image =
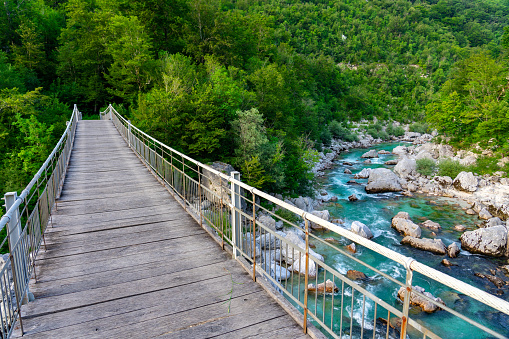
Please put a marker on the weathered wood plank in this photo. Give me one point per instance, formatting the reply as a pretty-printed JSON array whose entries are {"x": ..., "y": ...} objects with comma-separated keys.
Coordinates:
[
  {"x": 135, "y": 310},
  {"x": 62, "y": 269}
]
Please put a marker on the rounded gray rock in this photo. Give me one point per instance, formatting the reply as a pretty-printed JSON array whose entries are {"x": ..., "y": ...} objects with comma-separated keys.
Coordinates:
[
  {"x": 361, "y": 229},
  {"x": 490, "y": 241}
]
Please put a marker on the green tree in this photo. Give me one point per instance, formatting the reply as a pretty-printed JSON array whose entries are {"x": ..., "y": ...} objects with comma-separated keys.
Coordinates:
[
  {"x": 82, "y": 54},
  {"x": 31, "y": 53},
  {"x": 130, "y": 49}
]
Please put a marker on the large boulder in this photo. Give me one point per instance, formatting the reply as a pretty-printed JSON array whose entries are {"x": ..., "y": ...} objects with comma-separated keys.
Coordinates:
[
  {"x": 444, "y": 181},
  {"x": 424, "y": 304},
  {"x": 325, "y": 215},
  {"x": 216, "y": 184},
  {"x": 327, "y": 287},
  {"x": 370, "y": 154},
  {"x": 490, "y": 241},
  {"x": 268, "y": 222},
  {"x": 400, "y": 150},
  {"x": 468, "y": 160},
  {"x": 424, "y": 155},
  {"x": 465, "y": 181},
  {"x": 445, "y": 151},
  {"x": 431, "y": 245},
  {"x": 280, "y": 273},
  {"x": 435, "y": 226},
  {"x": 383, "y": 180},
  {"x": 405, "y": 167},
  {"x": 353, "y": 197},
  {"x": 364, "y": 174},
  {"x": 402, "y": 223},
  {"x": 355, "y": 275},
  {"x": 494, "y": 222},
  {"x": 295, "y": 258},
  {"x": 361, "y": 229},
  {"x": 304, "y": 204},
  {"x": 453, "y": 250},
  {"x": 485, "y": 214},
  {"x": 269, "y": 241}
]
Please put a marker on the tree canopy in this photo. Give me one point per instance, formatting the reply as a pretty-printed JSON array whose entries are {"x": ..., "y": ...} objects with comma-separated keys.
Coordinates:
[{"x": 258, "y": 84}]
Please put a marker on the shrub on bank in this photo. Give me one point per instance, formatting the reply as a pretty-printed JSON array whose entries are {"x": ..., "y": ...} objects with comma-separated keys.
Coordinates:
[
  {"x": 450, "y": 168},
  {"x": 419, "y": 127},
  {"x": 340, "y": 132},
  {"x": 397, "y": 131},
  {"x": 426, "y": 166}
]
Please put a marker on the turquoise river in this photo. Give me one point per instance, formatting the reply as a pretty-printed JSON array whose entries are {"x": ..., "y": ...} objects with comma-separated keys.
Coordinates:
[{"x": 376, "y": 211}]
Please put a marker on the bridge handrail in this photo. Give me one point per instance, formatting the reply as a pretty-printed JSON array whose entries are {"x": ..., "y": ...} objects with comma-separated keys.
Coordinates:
[
  {"x": 147, "y": 149},
  {"x": 24, "y": 242}
]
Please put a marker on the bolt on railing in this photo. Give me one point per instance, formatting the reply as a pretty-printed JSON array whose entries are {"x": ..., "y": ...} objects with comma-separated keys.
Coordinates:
[{"x": 222, "y": 204}]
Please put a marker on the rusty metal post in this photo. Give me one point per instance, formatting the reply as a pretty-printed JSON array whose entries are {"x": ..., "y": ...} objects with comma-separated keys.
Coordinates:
[
  {"x": 406, "y": 300},
  {"x": 306, "y": 279},
  {"x": 235, "y": 207}
]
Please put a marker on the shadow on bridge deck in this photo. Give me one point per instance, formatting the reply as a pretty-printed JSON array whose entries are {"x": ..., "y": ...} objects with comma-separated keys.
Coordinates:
[{"x": 123, "y": 259}]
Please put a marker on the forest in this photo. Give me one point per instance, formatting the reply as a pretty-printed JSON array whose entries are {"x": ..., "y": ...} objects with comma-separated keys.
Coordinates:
[{"x": 262, "y": 85}]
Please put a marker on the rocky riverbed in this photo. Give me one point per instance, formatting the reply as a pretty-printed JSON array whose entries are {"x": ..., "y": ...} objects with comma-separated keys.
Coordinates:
[{"x": 456, "y": 225}]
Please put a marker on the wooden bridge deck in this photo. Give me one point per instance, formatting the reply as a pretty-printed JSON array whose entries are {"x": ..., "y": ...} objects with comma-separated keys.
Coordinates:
[{"x": 124, "y": 260}]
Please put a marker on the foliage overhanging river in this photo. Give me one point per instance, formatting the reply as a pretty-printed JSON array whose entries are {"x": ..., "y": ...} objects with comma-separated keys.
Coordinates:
[{"x": 376, "y": 211}]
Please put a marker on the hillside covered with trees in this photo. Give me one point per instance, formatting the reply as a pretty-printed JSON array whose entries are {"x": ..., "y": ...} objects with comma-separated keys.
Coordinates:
[{"x": 259, "y": 84}]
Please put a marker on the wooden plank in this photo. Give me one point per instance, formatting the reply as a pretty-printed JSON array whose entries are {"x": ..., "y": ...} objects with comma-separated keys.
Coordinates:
[
  {"x": 199, "y": 322},
  {"x": 136, "y": 271},
  {"x": 122, "y": 236},
  {"x": 63, "y": 269},
  {"x": 160, "y": 248},
  {"x": 142, "y": 286},
  {"x": 76, "y": 228},
  {"x": 135, "y": 310},
  {"x": 157, "y": 207},
  {"x": 129, "y": 240}
]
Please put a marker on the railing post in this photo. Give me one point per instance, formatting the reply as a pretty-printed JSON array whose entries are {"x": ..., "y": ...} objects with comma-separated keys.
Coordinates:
[
  {"x": 406, "y": 300},
  {"x": 129, "y": 132},
  {"x": 235, "y": 207},
  {"x": 306, "y": 279},
  {"x": 14, "y": 224},
  {"x": 254, "y": 237},
  {"x": 200, "y": 197},
  {"x": 18, "y": 260}
]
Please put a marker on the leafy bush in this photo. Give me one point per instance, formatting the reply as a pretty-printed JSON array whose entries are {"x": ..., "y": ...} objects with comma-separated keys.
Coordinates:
[
  {"x": 485, "y": 165},
  {"x": 336, "y": 129},
  {"x": 377, "y": 132},
  {"x": 340, "y": 132},
  {"x": 450, "y": 168},
  {"x": 397, "y": 131},
  {"x": 419, "y": 127},
  {"x": 287, "y": 215},
  {"x": 426, "y": 166},
  {"x": 326, "y": 137}
]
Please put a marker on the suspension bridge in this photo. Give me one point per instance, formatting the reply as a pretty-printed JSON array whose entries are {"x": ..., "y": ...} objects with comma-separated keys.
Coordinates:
[{"x": 119, "y": 235}]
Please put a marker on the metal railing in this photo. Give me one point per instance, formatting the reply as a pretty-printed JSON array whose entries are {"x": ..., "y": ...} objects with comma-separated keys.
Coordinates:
[
  {"x": 238, "y": 216},
  {"x": 25, "y": 221}
]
